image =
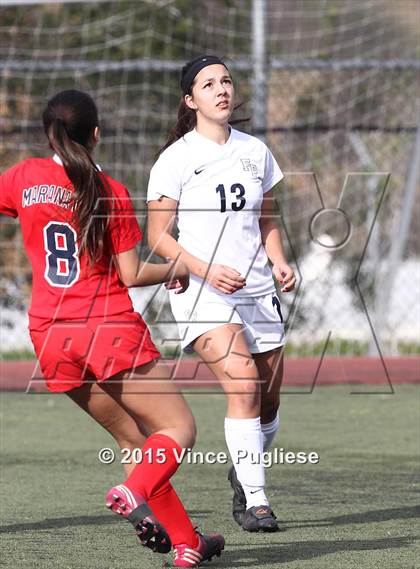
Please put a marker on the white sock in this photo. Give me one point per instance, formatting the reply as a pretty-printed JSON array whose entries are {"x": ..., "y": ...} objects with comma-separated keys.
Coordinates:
[
  {"x": 245, "y": 443},
  {"x": 269, "y": 431}
]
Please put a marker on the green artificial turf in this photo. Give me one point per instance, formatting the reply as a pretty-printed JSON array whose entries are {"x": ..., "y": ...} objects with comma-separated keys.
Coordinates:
[{"x": 358, "y": 508}]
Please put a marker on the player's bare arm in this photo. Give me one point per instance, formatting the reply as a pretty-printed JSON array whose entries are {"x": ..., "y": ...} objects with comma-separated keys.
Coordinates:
[
  {"x": 160, "y": 225},
  {"x": 134, "y": 272},
  {"x": 273, "y": 243}
]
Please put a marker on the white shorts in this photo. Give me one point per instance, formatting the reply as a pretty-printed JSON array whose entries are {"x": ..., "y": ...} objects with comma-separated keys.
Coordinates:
[{"x": 260, "y": 317}]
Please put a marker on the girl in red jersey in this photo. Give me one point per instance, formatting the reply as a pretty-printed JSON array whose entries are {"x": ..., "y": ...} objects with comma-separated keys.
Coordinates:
[{"x": 80, "y": 233}]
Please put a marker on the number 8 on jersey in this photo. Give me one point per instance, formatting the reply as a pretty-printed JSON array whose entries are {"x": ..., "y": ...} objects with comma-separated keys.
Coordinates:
[{"x": 62, "y": 258}]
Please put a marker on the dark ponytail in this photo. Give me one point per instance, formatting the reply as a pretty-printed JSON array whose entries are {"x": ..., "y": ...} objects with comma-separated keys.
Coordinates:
[
  {"x": 186, "y": 121},
  {"x": 70, "y": 119}
]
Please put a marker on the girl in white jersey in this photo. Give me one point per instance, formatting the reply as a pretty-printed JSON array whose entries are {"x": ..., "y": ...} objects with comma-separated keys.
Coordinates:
[{"x": 217, "y": 182}]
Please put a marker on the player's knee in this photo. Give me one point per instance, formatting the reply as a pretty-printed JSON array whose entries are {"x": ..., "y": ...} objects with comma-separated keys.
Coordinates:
[
  {"x": 246, "y": 396},
  {"x": 186, "y": 431},
  {"x": 247, "y": 388},
  {"x": 192, "y": 436},
  {"x": 190, "y": 432}
]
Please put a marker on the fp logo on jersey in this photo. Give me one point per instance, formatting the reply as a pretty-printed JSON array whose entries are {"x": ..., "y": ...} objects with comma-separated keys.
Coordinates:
[{"x": 248, "y": 166}]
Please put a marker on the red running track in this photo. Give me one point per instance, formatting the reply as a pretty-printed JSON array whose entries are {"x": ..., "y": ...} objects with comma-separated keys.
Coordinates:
[{"x": 301, "y": 374}]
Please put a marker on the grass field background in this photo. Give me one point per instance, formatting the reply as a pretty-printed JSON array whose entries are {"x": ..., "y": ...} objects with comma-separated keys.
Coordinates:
[{"x": 357, "y": 508}]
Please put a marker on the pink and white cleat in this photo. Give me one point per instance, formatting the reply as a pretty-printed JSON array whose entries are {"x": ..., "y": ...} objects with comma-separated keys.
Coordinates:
[
  {"x": 134, "y": 508},
  {"x": 208, "y": 546}
]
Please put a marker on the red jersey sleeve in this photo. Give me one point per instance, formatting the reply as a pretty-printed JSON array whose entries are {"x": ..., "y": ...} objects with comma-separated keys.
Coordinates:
[
  {"x": 7, "y": 193},
  {"x": 124, "y": 230}
]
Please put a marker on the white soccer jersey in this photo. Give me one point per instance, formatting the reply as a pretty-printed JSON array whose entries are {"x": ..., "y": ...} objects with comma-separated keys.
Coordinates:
[{"x": 219, "y": 190}]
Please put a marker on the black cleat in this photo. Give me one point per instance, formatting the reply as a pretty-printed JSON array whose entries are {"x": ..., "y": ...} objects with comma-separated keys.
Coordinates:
[
  {"x": 259, "y": 518},
  {"x": 239, "y": 500},
  {"x": 208, "y": 546},
  {"x": 134, "y": 508}
]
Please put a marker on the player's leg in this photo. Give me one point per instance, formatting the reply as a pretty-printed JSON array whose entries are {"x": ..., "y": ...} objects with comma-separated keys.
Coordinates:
[
  {"x": 131, "y": 433},
  {"x": 225, "y": 350},
  {"x": 131, "y": 422},
  {"x": 149, "y": 394},
  {"x": 128, "y": 432},
  {"x": 270, "y": 368},
  {"x": 264, "y": 332}
]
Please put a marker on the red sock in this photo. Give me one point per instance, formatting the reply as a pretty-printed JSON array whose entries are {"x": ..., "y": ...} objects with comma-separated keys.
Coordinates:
[
  {"x": 150, "y": 478},
  {"x": 159, "y": 463},
  {"x": 168, "y": 508}
]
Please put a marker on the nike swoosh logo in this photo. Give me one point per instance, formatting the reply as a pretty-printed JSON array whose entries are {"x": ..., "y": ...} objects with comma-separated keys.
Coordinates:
[
  {"x": 198, "y": 171},
  {"x": 254, "y": 492}
]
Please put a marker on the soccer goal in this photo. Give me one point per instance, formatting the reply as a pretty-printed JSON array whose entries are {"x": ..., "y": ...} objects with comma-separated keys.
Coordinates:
[{"x": 330, "y": 85}]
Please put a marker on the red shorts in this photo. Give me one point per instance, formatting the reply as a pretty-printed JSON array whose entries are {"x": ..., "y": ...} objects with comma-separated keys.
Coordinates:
[{"x": 72, "y": 352}]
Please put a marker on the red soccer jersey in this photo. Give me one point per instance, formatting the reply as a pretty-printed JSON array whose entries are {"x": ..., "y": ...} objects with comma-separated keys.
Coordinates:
[{"x": 38, "y": 191}]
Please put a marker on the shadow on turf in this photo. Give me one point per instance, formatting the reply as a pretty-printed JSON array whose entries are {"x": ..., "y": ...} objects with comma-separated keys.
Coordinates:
[
  {"x": 267, "y": 556},
  {"x": 259, "y": 556},
  {"x": 360, "y": 518},
  {"x": 55, "y": 523}
]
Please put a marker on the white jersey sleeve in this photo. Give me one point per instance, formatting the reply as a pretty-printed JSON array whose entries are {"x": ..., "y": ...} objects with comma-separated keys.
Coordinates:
[
  {"x": 165, "y": 178},
  {"x": 272, "y": 172}
]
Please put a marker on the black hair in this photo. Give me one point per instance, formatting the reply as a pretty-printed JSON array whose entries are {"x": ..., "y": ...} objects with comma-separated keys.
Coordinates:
[
  {"x": 70, "y": 119},
  {"x": 193, "y": 67}
]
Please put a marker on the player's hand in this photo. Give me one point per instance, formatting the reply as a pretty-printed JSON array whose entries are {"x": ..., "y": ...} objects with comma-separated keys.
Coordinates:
[
  {"x": 179, "y": 279},
  {"x": 225, "y": 279},
  {"x": 179, "y": 285},
  {"x": 285, "y": 275}
]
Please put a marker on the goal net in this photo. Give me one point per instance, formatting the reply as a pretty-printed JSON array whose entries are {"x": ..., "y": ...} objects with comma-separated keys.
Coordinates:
[{"x": 340, "y": 117}]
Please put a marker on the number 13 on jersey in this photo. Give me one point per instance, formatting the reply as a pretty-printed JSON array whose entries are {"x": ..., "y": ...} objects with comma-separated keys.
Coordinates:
[{"x": 239, "y": 192}]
